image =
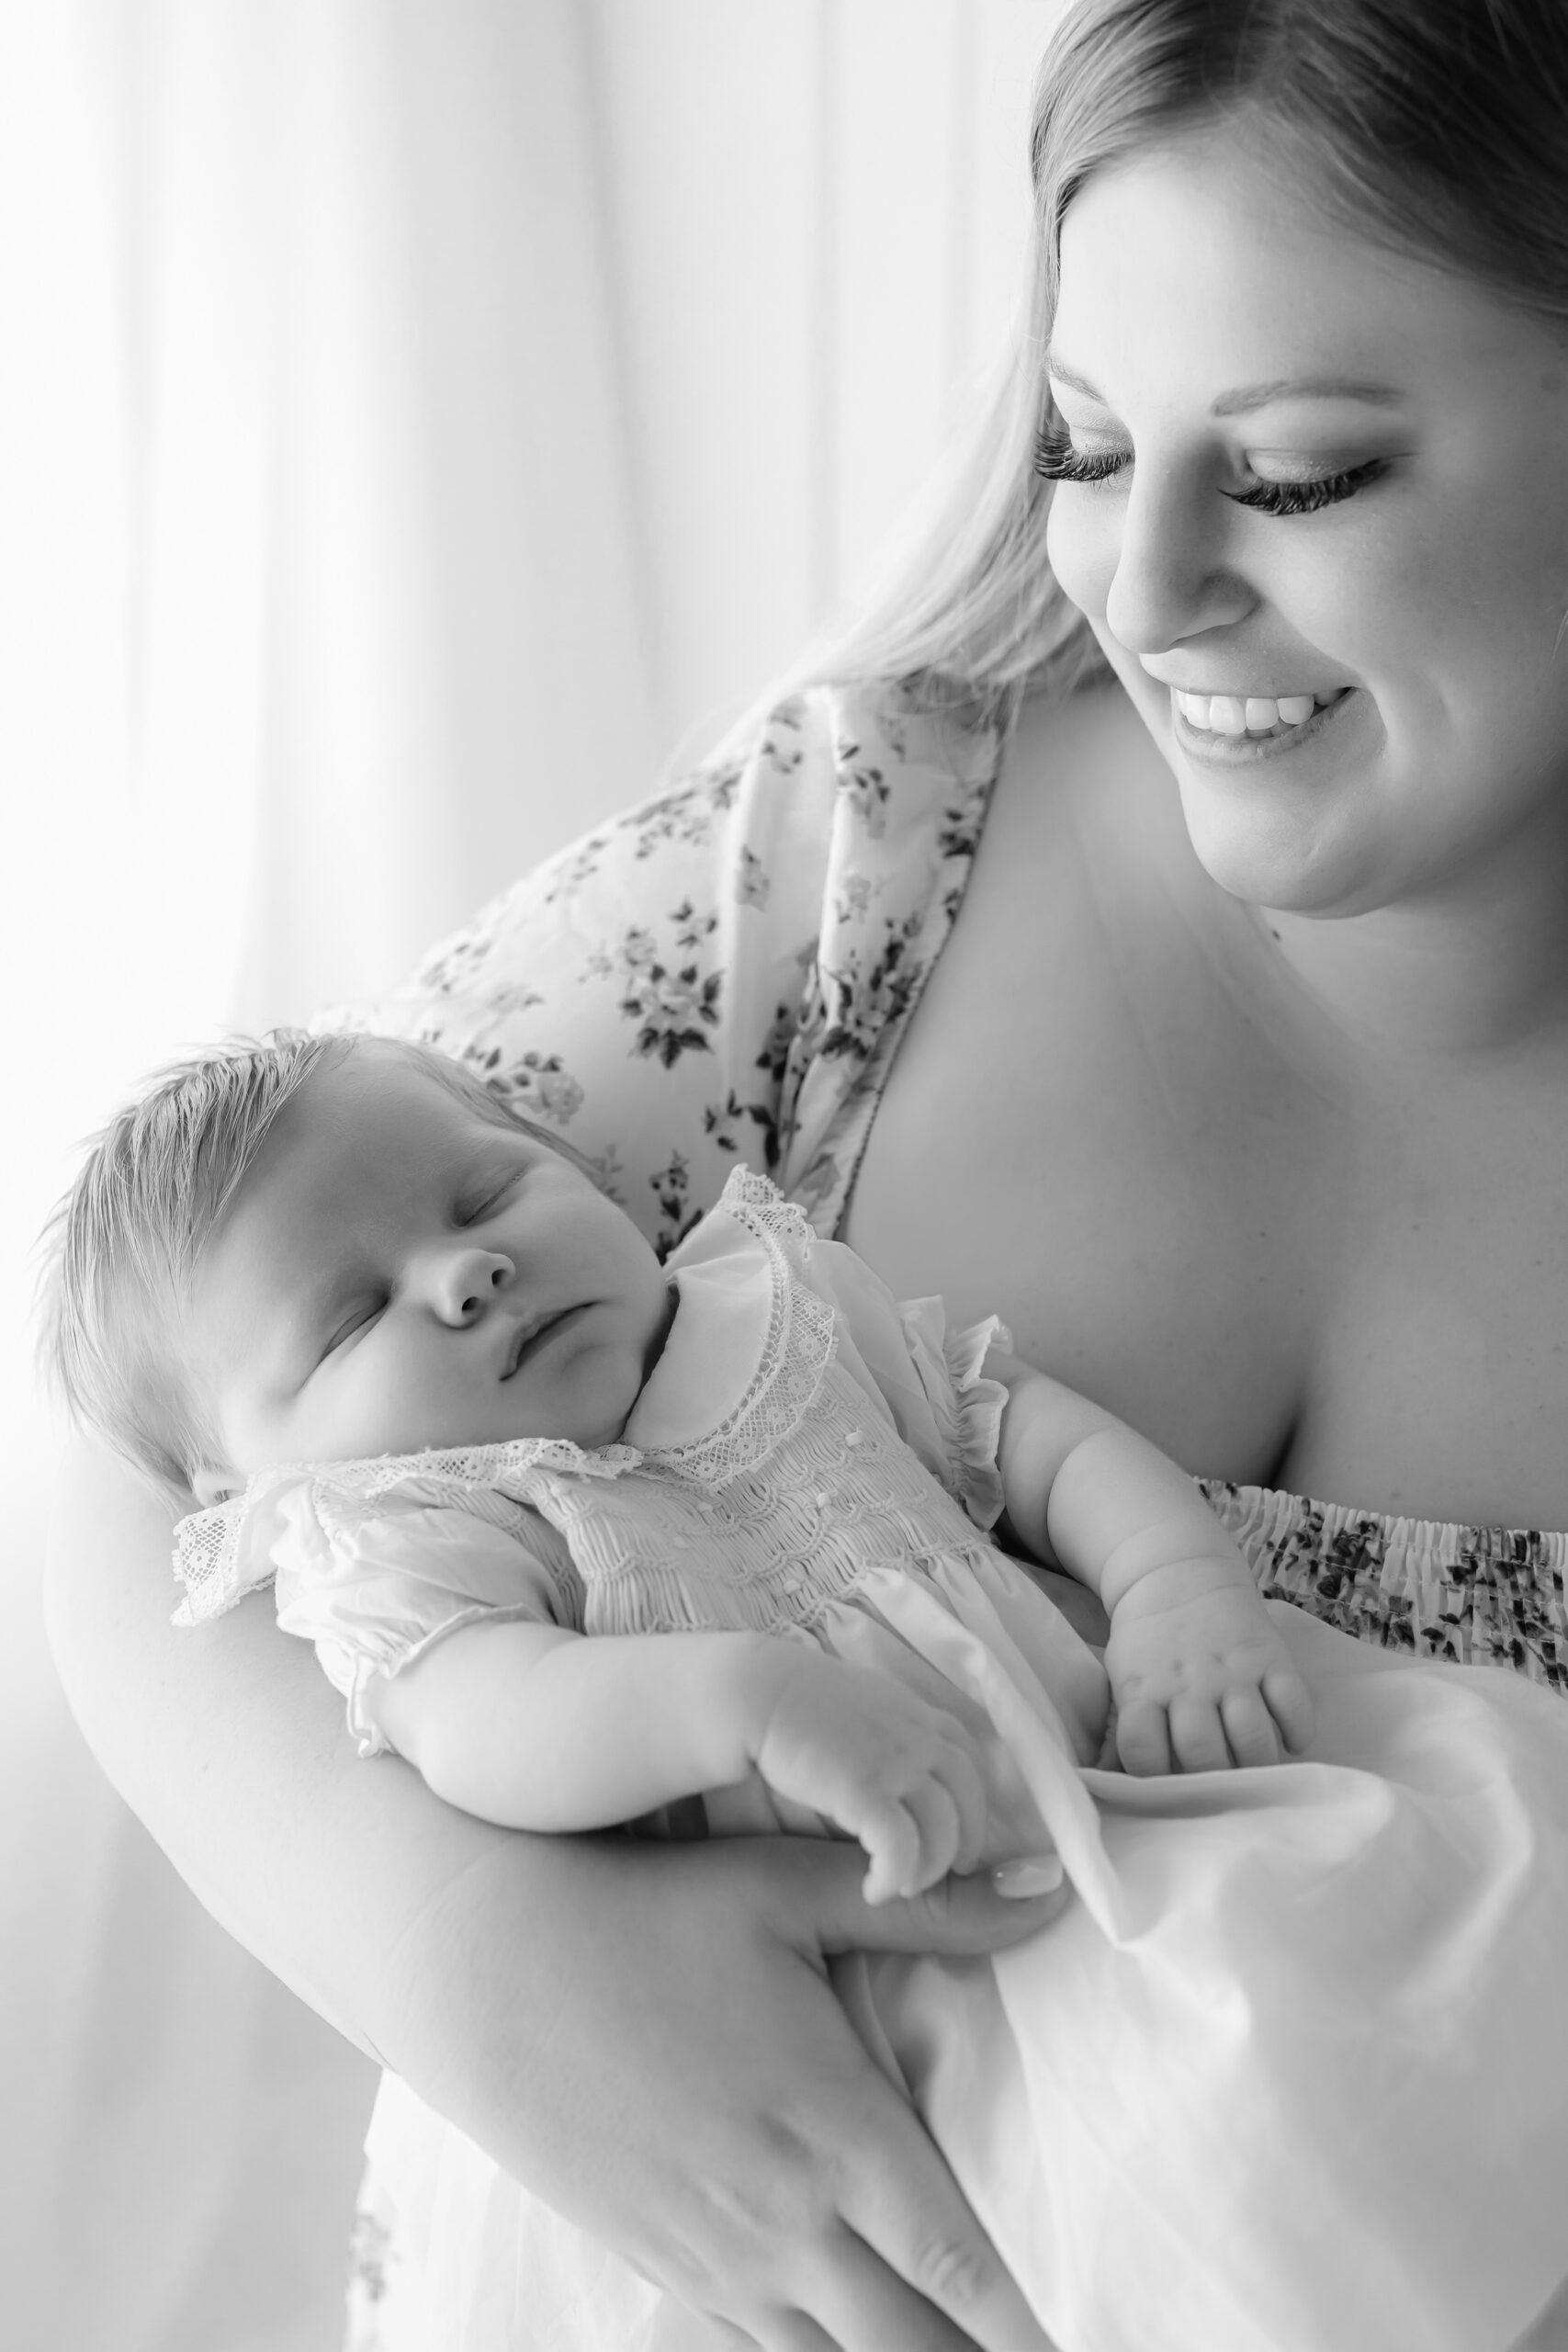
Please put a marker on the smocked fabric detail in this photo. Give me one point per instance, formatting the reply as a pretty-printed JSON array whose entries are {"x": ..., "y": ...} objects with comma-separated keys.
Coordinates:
[
  {"x": 784, "y": 1509},
  {"x": 1474, "y": 1596},
  {"x": 774, "y": 1547}
]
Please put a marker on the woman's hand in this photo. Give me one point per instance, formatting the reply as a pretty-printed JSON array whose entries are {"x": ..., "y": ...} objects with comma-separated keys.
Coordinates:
[{"x": 693, "y": 2094}]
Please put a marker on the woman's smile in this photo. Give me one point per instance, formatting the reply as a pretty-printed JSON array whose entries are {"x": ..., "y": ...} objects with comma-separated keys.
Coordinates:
[{"x": 1227, "y": 732}]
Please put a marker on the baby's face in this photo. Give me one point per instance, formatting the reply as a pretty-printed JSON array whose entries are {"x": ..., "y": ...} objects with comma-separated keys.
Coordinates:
[{"x": 395, "y": 1272}]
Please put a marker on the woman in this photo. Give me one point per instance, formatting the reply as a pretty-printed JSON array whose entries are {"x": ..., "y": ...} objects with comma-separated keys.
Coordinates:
[{"x": 1251, "y": 1024}]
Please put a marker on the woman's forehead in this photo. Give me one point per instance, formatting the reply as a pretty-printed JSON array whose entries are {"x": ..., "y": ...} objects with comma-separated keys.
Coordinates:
[{"x": 1197, "y": 257}]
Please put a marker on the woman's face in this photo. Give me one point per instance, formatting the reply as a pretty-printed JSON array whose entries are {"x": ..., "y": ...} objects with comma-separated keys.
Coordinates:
[{"x": 1202, "y": 304}]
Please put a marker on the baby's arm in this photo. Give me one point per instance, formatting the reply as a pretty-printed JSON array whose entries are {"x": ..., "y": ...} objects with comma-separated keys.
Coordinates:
[
  {"x": 534, "y": 1728},
  {"x": 1201, "y": 1676}
]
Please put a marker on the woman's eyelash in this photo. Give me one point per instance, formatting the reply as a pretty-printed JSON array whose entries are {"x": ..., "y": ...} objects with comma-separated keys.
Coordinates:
[
  {"x": 1057, "y": 461},
  {"x": 1306, "y": 497}
]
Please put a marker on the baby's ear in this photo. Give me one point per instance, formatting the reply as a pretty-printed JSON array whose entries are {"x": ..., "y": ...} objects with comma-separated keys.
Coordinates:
[{"x": 210, "y": 1486}]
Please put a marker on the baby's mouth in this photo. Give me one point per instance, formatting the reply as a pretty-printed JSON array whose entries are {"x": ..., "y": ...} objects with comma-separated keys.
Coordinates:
[{"x": 527, "y": 1333}]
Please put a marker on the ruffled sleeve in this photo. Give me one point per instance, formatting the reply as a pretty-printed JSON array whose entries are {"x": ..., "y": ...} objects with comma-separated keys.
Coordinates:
[
  {"x": 375, "y": 1594},
  {"x": 966, "y": 1407},
  {"x": 926, "y": 1379}
]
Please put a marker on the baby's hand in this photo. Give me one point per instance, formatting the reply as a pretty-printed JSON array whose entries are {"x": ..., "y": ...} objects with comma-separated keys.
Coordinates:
[
  {"x": 1200, "y": 1675},
  {"x": 899, "y": 1775}
]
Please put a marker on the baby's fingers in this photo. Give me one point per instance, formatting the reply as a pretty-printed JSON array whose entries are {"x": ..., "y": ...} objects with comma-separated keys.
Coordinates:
[
  {"x": 1198, "y": 1735},
  {"x": 1250, "y": 1727},
  {"x": 894, "y": 1845},
  {"x": 963, "y": 1776},
  {"x": 1289, "y": 1703},
  {"x": 1143, "y": 1738}
]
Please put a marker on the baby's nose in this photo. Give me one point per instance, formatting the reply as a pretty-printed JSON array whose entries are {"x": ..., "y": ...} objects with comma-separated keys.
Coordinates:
[{"x": 465, "y": 1283}]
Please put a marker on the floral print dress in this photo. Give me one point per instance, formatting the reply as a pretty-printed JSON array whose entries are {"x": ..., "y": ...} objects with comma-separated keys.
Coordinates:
[{"x": 723, "y": 975}]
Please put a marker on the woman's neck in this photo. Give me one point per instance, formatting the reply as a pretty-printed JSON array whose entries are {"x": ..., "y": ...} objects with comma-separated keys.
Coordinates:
[{"x": 1477, "y": 970}]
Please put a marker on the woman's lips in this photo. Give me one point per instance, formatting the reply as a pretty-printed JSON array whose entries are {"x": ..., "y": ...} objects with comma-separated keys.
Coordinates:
[{"x": 1249, "y": 750}]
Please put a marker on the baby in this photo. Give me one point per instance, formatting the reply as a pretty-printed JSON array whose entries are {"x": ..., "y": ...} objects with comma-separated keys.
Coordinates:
[
  {"x": 417, "y": 1370},
  {"x": 322, "y": 1252}
]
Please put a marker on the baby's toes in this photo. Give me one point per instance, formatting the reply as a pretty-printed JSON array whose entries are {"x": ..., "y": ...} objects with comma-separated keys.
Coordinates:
[{"x": 1250, "y": 1727}]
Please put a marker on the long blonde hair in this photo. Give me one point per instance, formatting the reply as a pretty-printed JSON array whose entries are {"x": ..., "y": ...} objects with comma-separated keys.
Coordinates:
[{"x": 1437, "y": 127}]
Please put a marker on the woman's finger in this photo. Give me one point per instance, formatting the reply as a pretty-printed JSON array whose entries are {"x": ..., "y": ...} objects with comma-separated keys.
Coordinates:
[
  {"x": 958, "y": 1915},
  {"x": 760, "y": 2202},
  {"x": 917, "y": 2270},
  {"x": 924, "y": 2273}
]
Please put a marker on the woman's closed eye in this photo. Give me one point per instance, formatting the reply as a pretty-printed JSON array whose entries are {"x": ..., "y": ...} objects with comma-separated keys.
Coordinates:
[{"x": 1056, "y": 460}]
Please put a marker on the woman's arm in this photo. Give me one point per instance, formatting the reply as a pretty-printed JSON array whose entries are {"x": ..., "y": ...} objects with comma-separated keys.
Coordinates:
[{"x": 643, "y": 2034}]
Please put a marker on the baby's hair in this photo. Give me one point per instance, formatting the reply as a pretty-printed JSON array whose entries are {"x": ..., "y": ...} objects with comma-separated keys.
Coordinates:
[{"x": 123, "y": 1244}]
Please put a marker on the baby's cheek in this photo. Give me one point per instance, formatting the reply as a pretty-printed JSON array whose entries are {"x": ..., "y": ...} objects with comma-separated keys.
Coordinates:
[{"x": 380, "y": 1404}]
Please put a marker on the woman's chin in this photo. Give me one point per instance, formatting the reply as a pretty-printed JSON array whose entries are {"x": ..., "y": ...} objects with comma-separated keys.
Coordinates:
[{"x": 1297, "y": 861}]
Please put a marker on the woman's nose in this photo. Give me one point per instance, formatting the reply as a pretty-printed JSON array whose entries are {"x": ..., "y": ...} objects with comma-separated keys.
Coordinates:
[
  {"x": 1173, "y": 579},
  {"x": 461, "y": 1283}
]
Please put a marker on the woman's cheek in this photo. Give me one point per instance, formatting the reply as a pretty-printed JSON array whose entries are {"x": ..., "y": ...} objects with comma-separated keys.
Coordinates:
[{"x": 1083, "y": 568}]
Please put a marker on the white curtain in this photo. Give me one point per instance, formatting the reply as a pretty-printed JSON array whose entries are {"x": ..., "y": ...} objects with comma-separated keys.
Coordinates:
[{"x": 422, "y": 421}]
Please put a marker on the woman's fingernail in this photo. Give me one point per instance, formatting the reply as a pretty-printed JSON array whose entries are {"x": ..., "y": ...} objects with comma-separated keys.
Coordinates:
[{"x": 1032, "y": 1874}]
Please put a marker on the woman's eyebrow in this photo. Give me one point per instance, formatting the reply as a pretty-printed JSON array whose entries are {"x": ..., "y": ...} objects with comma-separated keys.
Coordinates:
[{"x": 1251, "y": 396}]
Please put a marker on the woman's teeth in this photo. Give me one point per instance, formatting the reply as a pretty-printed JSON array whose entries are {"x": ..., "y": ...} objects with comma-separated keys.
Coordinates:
[{"x": 1251, "y": 714}]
